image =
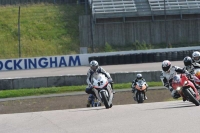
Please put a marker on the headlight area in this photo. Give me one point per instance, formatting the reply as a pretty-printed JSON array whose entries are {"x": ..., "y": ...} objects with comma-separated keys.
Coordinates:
[{"x": 178, "y": 88}]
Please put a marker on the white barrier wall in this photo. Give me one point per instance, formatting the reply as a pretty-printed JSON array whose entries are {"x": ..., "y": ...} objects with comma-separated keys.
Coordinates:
[
  {"x": 43, "y": 62},
  {"x": 69, "y": 80},
  {"x": 69, "y": 60}
]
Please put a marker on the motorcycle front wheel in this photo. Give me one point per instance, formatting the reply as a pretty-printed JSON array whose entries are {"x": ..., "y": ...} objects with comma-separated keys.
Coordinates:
[
  {"x": 140, "y": 97},
  {"x": 190, "y": 96},
  {"x": 105, "y": 99}
]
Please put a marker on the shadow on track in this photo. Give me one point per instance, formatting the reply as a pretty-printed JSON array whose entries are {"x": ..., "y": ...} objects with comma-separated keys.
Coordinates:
[
  {"x": 173, "y": 107},
  {"x": 89, "y": 109}
]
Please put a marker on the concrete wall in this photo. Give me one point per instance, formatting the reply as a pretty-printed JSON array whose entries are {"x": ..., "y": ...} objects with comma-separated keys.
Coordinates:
[
  {"x": 69, "y": 80},
  {"x": 152, "y": 32}
]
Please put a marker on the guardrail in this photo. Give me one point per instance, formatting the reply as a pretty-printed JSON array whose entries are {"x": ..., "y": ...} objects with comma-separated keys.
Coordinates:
[{"x": 69, "y": 80}]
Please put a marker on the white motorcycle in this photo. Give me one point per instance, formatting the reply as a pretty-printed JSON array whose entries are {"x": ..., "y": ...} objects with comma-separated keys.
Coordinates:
[{"x": 102, "y": 89}]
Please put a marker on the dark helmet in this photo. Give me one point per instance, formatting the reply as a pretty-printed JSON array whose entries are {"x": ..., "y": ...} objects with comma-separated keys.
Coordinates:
[
  {"x": 94, "y": 65},
  {"x": 166, "y": 65},
  {"x": 187, "y": 61},
  {"x": 139, "y": 76}
]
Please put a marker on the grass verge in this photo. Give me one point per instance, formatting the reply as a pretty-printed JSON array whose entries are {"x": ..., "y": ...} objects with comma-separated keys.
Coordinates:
[{"x": 56, "y": 90}]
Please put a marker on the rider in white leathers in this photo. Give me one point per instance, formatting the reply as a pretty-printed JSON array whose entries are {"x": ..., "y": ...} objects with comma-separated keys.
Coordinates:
[
  {"x": 168, "y": 72},
  {"x": 94, "y": 67},
  {"x": 190, "y": 66},
  {"x": 196, "y": 56}
]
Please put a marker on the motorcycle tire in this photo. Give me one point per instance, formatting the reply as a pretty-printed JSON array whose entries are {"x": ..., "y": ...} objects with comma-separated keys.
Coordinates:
[
  {"x": 105, "y": 100},
  {"x": 140, "y": 97},
  {"x": 191, "y": 97}
]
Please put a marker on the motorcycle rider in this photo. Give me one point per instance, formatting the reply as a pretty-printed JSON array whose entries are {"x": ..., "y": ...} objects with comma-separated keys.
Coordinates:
[
  {"x": 167, "y": 74},
  {"x": 134, "y": 82},
  {"x": 196, "y": 56},
  {"x": 94, "y": 67},
  {"x": 190, "y": 66}
]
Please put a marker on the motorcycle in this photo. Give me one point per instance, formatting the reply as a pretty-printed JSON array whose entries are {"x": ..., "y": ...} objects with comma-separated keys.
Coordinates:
[
  {"x": 94, "y": 102},
  {"x": 102, "y": 89},
  {"x": 196, "y": 76},
  {"x": 185, "y": 88},
  {"x": 140, "y": 89}
]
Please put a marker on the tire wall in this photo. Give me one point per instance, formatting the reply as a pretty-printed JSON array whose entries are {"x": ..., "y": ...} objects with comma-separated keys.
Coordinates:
[{"x": 141, "y": 57}]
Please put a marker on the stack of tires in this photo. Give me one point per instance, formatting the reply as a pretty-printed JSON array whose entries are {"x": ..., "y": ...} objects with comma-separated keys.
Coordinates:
[{"x": 141, "y": 57}]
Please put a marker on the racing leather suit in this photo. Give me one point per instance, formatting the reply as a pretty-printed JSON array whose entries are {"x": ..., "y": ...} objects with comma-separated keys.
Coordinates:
[
  {"x": 191, "y": 69},
  {"x": 167, "y": 77},
  {"x": 198, "y": 62},
  {"x": 89, "y": 76}
]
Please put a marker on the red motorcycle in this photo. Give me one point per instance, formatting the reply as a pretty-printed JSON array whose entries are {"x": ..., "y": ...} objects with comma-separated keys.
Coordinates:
[{"x": 185, "y": 88}]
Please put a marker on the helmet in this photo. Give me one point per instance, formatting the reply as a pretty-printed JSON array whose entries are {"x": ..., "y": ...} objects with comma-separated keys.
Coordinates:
[
  {"x": 187, "y": 61},
  {"x": 139, "y": 76},
  {"x": 166, "y": 65},
  {"x": 196, "y": 56},
  {"x": 94, "y": 65}
]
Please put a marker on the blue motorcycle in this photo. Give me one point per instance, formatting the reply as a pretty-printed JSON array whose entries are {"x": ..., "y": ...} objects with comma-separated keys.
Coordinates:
[{"x": 93, "y": 101}]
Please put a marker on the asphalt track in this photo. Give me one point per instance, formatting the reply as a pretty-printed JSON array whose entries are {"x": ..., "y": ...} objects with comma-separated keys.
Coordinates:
[
  {"x": 165, "y": 117},
  {"x": 160, "y": 117},
  {"x": 83, "y": 70}
]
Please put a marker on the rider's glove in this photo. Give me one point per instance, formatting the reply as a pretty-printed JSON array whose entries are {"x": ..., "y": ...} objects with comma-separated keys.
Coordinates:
[
  {"x": 170, "y": 89},
  {"x": 188, "y": 74},
  {"x": 90, "y": 86},
  {"x": 166, "y": 85},
  {"x": 110, "y": 80},
  {"x": 176, "y": 95}
]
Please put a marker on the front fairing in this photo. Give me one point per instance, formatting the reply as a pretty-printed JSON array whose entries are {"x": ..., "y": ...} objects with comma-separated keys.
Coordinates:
[
  {"x": 181, "y": 82},
  {"x": 99, "y": 81},
  {"x": 140, "y": 85}
]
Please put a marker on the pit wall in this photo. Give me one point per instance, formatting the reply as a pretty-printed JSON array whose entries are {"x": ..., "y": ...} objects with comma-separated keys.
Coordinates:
[{"x": 69, "y": 80}]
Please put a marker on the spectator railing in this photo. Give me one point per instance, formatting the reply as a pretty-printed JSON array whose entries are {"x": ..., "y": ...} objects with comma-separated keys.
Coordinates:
[
  {"x": 157, "y": 5},
  {"x": 135, "y": 8},
  {"x": 112, "y": 6}
]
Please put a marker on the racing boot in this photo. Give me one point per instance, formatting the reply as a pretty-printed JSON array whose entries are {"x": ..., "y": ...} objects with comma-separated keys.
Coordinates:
[
  {"x": 98, "y": 103},
  {"x": 145, "y": 98},
  {"x": 113, "y": 91},
  {"x": 184, "y": 99},
  {"x": 90, "y": 99},
  {"x": 88, "y": 103}
]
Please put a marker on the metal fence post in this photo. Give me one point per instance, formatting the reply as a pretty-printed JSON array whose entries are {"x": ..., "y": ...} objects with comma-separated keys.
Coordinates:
[{"x": 19, "y": 32}]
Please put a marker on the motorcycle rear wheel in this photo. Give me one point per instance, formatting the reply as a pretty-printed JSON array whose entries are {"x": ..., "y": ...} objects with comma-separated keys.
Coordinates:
[{"x": 191, "y": 97}]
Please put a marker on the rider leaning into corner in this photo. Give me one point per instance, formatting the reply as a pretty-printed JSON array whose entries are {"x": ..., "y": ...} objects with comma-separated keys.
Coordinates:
[
  {"x": 190, "y": 66},
  {"x": 167, "y": 74},
  {"x": 196, "y": 57},
  {"x": 94, "y": 67}
]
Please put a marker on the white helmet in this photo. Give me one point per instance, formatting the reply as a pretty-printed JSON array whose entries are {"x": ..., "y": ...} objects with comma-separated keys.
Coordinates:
[
  {"x": 139, "y": 76},
  {"x": 196, "y": 56},
  {"x": 166, "y": 65},
  {"x": 94, "y": 65}
]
